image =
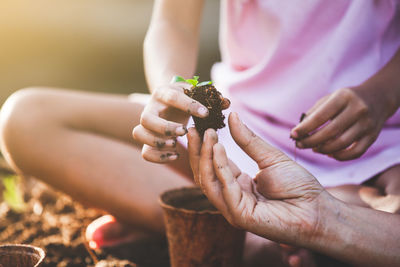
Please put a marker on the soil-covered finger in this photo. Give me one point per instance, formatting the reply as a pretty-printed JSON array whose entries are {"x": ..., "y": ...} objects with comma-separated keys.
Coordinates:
[
  {"x": 153, "y": 139},
  {"x": 161, "y": 126},
  {"x": 159, "y": 156},
  {"x": 178, "y": 99}
]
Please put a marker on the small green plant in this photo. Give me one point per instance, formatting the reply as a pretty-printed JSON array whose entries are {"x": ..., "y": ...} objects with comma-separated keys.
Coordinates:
[
  {"x": 12, "y": 193},
  {"x": 194, "y": 81}
]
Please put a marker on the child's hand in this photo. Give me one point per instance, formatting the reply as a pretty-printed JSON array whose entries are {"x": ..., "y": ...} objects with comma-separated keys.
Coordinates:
[
  {"x": 163, "y": 119},
  {"x": 281, "y": 203},
  {"x": 343, "y": 124}
]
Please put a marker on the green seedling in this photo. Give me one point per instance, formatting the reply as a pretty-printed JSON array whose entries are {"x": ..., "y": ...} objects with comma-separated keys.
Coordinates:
[
  {"x": 194, "y": 81},
  {"x": 12, "y": 194}
]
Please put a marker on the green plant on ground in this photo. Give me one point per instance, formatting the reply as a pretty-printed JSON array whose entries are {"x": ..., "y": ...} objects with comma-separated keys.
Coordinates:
[{"x": 12, "y": 194}]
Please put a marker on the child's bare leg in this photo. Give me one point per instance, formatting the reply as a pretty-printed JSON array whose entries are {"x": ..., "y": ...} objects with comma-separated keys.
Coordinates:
[
  {"x": 385, "y": 195},
  {"x": 381, "y": 193},
  {"x": 81, "y": 144}
]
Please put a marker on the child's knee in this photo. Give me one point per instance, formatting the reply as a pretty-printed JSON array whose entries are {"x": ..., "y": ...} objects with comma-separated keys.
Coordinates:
[
  {"x": 389, "y": 181},
  {"x": 20, "y": 107},
  {"x": 19, "y": 114},
  {"x": 388, "y": 186}
]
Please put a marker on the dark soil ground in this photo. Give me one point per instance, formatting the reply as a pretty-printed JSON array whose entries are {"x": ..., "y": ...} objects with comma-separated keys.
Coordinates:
[{"x": 56, "y": 223}]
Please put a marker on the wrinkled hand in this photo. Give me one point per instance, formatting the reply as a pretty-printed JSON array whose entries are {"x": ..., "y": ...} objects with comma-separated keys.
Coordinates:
[
  {"x": 282, "y": 203},
  {"x": 163, "y": 119},
  {"x": 343, "y": 124}
]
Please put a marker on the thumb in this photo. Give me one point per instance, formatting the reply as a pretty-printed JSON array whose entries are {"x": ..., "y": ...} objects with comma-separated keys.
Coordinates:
[{"x": 261, "y": 152}]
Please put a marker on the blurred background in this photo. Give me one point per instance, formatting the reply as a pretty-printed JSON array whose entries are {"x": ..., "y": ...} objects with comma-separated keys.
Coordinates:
[{"x": 92, "y": 45}]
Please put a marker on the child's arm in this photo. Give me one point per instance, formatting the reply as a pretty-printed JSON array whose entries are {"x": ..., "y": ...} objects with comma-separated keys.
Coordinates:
[
  {"x": 351, "y": 118},
  {"x": 171, "y": 43},
  {"x": 285, "y": 203},
  {"x": 170, "y": 48}
]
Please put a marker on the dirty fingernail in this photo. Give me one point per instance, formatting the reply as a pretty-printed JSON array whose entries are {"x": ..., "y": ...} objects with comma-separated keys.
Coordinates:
[
  {"x": 203, "y": 111},
  {"x": 181, "y": 130},
  {"x": 170, "y": 142},
  {"x": 173, "y": 156},
  {"x": 169, "y": 156},
  {"x": 160, "y": 144}
]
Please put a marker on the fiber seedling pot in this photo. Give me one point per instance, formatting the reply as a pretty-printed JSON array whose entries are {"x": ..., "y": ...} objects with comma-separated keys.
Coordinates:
[
  {"x": 198, "y": 235},
  {"x": 20, "y": 256}
]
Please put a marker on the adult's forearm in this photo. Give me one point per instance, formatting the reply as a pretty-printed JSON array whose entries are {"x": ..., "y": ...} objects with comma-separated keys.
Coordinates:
[
  {"x": 358, "y": 235},
  {"x": 171, "y": 43}
]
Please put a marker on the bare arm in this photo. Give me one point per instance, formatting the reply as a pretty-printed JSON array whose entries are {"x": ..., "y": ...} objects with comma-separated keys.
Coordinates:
[
  {"x": 171, "y": 43},
  {"x": 170, "y": 48},
  {"x": 358, "y": 235}
]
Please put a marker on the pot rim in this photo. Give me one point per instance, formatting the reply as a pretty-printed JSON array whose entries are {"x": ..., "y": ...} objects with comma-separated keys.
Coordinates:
[
  {"x": 184, "y": 210},
  {"x": 39, "y": 251}
]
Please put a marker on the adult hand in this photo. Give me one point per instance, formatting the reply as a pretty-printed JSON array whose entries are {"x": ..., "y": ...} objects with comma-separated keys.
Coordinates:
[
  {"x": 284, "y": 202},
  {"x": 343, "y": 124},
  {"x": 163, "y": 119}
]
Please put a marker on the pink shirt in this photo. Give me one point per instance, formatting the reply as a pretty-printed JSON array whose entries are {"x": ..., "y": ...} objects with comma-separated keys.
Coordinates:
[{"x": 279, "y": 57}]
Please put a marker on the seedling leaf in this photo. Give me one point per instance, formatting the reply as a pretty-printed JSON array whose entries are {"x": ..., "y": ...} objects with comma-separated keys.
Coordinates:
[
  {"x": 12, "y": 194},
  {"x": 176, "y": 79},
  {"x": 205, "y": 83},
  {"x": 194, "y": 82}
]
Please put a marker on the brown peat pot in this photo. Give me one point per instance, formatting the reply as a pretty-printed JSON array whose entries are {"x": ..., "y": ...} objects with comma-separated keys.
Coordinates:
[
  {"x": 198, "y": 235},
  {"x": 20, "y": 256}
]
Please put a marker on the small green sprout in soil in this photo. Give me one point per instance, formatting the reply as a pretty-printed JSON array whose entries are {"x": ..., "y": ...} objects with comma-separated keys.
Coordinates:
[{"x": 208, "y": 95}]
